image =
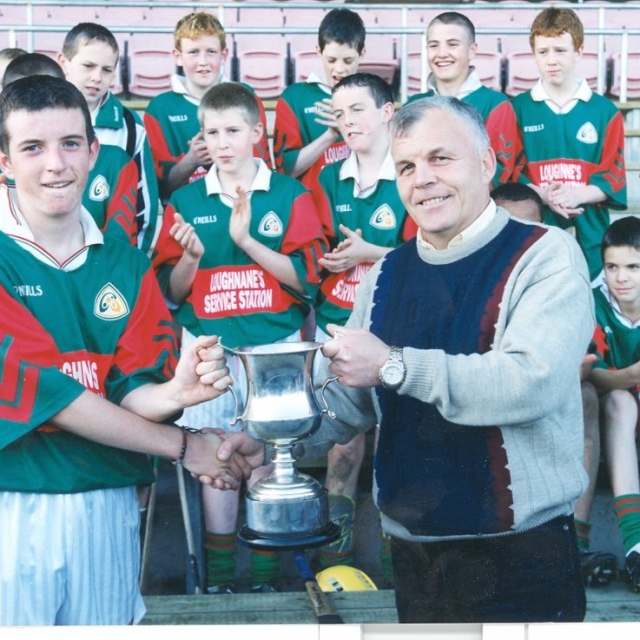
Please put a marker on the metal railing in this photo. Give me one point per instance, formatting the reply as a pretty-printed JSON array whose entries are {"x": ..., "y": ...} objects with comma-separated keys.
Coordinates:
[{"x": 402, "y": 30}]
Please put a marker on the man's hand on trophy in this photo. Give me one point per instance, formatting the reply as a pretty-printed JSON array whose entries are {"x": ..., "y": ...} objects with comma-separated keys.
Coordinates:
[
  {"x": 356, "y": 356},
  {"x": 237, "y": 447}
]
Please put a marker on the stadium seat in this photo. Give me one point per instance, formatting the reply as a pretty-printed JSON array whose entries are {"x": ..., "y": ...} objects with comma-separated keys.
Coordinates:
[
  {"x": 633, "y": 75},
  {"x": 265, "y": 71},
  {"x": 150, "y": 71}
]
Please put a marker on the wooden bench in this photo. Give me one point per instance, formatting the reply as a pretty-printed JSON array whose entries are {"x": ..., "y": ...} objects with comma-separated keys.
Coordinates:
[
  {"x": 356, "y": 607},
  {"x": 615, "y": 603}
]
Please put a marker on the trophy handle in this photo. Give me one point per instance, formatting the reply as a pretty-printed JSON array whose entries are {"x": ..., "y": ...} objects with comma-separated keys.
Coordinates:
[
  {"x": 232, "y": 423},
  {"x": 327, "y": 382}
]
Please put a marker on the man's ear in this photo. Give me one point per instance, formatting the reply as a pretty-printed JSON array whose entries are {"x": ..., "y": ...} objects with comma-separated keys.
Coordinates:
[{"x": 489, "y": 164}]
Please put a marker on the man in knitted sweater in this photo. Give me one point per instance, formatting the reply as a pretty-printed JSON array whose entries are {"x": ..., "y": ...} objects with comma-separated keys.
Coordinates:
[{"x": 452, "y": 347}]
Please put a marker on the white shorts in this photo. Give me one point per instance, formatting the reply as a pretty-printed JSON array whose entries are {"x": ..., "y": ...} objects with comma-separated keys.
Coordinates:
[
  {"x": 70, "y": 558},
  {"x": 222, "y": 411}
]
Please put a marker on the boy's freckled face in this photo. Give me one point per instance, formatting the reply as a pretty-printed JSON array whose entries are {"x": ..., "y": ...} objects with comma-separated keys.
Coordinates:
[
  {"x": 556, "y": 58},
  {"x": 91, "y": 70},
  {"x": 202, "y": 60},
  {"x": 338, "y": 61},
  {"x": 622, "y": 273},
  {"x": 229, "y": 139}
]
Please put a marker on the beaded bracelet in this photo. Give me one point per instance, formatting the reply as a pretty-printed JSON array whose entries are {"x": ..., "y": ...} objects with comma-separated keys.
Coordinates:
[{"x": 183, "y": 449}]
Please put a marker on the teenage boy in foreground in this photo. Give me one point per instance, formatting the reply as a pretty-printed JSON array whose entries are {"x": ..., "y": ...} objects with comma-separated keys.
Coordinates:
[
  {"x": 89, "y": 370},
  {"x": 451, "y": 48},
  {"x": 171, "y": 118},
  {"x": 306, "y": 135},
  {"x": 617, "y": 377},
  {"x": 237, "y": 257},
  {"x": 89, "y": 59},
  {"x": 573, "y": 138}
]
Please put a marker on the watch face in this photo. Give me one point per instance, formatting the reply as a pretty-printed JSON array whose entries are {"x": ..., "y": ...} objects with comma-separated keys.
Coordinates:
[{"x": 393, "y": 374}]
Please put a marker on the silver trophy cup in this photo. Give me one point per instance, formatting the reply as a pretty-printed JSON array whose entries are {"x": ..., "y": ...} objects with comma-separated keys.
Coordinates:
[{"x": 287, "y": 510}]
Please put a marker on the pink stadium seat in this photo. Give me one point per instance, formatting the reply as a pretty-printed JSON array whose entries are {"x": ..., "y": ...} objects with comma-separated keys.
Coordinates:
[
  {"x": 305, "y": 63},
  {"x": 633, "y": 75},
  {"x": 150, "y": 71},
  {"x": 265, "y": 71},
  {"x": 522, "y": 72}
]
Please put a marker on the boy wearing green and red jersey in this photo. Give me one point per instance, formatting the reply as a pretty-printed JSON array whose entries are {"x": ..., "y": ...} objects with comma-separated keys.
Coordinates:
[
  {"x": 89, "y": 370},
  {"x": 171, "y": 118},
  {"x": 89, "y": 58},
  {"x": 232, "y": 296},
  {"x": 238, "y": 257},
  {"x": 451, "y": 47},
  {"x": 616, "y": 377},
  {"x": 305, "y": 135},
  {"x": 573, "y": 139}
]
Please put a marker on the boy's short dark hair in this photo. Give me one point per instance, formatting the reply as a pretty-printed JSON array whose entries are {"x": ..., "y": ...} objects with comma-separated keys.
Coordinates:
[
  {"x": 31, "y": 64},
  {"x": 453, "y": 17},
  {"x": 624, "y": 232},
  {"x": 344, "y": 27},
  {"x": 230, "y": 95},
  {"x": 380, "y": 90},
  {"x": 84, "y": 33},
  {"x": 553, "y": 22},
  {"x": 37, "y": 93},
  {"x": 517, "y": 192}
]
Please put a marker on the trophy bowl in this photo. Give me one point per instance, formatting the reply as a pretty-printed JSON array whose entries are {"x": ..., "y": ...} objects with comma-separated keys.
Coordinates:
[{"x": 288, "y": 509}]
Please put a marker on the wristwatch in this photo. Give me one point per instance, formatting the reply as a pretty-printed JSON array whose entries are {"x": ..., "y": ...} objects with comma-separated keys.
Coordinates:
[{"x": 393, "y": 371}]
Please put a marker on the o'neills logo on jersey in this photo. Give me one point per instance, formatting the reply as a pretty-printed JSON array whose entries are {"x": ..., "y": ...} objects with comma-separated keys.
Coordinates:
[
  {"x": 587, "y": 134},
  {"x": 99, "y": 189},
  {"x": 343, "y": 290},
  {"x": 570, "y": 173},
  {"x": 28, "y": 290},
  {"x": 235, "y": 291},
  {"x": 110, "y": 304},
  {"x": 335, "y": 154},
  {"x": 179, "y": 118},
  {"x": 383, "y": 218},
  {"x": 271, "y": 226}
]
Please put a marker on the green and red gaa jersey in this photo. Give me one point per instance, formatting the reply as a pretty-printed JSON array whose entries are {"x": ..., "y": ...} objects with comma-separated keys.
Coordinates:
[
  {"x": 295, "y": 127},
  {"x": 379, "y": 214},
  {"x": 617, "y": 340},
  {"x": 96, "y": 322},
  {"x": 232, "y": 296},
  {"x": 580, "y": 147},
  {"x": 499, "y": 121},
  {"x": 171, "y": 121}
]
